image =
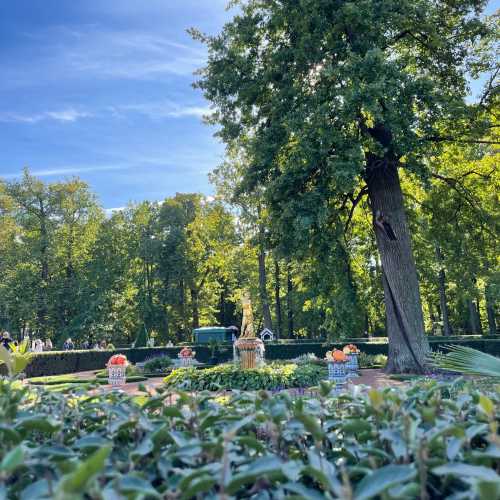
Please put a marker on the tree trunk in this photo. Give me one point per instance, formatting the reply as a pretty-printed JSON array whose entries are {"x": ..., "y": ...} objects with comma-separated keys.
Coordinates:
[
  {"x": 478, "y": 318},
  {"x": 182, "y": 297},
  {"x": 432, "y": 316},
  {"x": 289, "y": 299},
  {"x": 195, "y": 308},
  {"x": 408, "y": 346},
  {"x": 474, "y": 322},
  {"x": 443, "y": 303},
  {"x": 277, "y": 298},
  {"x": 490, "y": 310},
  {"x": 42, "y": 311},
  {"x": 264, "y": 298}
]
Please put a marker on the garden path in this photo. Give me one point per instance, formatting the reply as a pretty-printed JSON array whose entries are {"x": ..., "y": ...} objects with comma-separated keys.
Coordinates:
[{"x": 371, "y": 377}]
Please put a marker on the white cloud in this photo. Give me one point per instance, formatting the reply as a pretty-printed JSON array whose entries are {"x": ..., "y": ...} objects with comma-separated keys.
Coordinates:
[
  {"x": 68, "y": 115},
  {"x": 128, "y": 54},
  {"x": 162, "y": 109},
  {"x": 66, "y": 171}
]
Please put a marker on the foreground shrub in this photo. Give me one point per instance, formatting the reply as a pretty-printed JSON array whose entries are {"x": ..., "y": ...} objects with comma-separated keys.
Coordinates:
[
  {"x": 230, "y": 376},
  {"x": 389, "y": 444}
]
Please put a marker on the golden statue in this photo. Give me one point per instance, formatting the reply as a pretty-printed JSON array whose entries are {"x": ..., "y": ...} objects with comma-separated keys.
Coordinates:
[
  {"x": 250, "y": 348},
  {"x": 247, "y": 331}
]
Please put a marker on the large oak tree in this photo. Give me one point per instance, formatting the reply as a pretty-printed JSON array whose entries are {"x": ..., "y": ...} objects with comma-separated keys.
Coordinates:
[{"x": 330, "y": 98}]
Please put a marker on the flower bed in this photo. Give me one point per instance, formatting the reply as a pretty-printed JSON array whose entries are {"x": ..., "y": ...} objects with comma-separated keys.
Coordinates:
[{"x": 229, "y": 376}]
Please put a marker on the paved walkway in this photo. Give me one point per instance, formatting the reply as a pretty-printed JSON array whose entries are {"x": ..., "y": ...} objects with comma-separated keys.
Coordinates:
[{"x": 370, "y": 377}]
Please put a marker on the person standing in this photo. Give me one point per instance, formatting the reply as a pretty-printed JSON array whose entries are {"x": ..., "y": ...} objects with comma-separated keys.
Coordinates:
[
  {"x": 6, "y": 340},
  {"x": 48, "y": 345}
]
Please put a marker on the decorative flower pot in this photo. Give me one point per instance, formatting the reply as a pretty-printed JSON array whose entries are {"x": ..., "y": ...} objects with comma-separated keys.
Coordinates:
[
  {"x": 117, "y": 370},
  {"x": 186, "y": 357},
  {"x": 352, "y": 365},
  {"x": 337, "y": 372},
  {"x": 352, "y": 352}
]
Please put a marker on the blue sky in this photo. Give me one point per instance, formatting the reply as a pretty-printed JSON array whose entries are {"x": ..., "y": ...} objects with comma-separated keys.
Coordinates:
[{"x": 101, "y": 89}]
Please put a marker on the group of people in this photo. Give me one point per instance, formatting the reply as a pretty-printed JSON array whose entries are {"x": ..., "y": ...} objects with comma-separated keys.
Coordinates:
[{"x": 36, "y": 345}]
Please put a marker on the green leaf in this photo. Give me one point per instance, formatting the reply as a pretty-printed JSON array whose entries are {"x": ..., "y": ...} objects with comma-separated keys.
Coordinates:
[
  {"x": 199, "y": 486},
  {"x": 356, "y": 426},
  {"x": 382, "y": 479},
  {"x": 465, "y": 470},
  {"x": 269, "y": 466},
  {"x": 303, "y": 492},
  {"x": 91, "y": 442},
  {"x": 487, "y": 490},
  {"x": 486, "y": 405},
  {"x": 133, "y": 484},
  {"x": 38, "y": 423},
  {"x": 13, "y": 459},
  {"x": 75, "y": 482},
  {"x": 311, "y": 424}
]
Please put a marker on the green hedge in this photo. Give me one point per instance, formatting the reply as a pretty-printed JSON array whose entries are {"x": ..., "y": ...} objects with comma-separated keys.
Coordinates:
[
  {"x": 229, "y": 376},
  {"x": 60, "y": 362}
]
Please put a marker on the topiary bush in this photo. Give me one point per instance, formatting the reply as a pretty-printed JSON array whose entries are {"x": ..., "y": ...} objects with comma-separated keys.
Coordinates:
[
  {"x": 230, "y": 376},
  {"x": 431, "y": 441},
  {"x": 159, "y": 364}
]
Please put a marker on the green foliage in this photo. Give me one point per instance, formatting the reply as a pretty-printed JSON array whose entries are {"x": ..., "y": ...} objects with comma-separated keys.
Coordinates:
[
  {"x": 372, "y": 360},
  {"x": 463, "y": 359},
  {"x": 230, "y": 376},
  {"x": 158, "y": 365},
  {"x": 142, "y": 338},
  {"x": 16, "y": 358},
  {"x": 393, "y": 443}
]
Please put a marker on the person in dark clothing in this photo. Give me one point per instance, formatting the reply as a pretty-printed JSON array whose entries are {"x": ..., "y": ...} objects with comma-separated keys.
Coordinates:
[{"x": 6, "y": 340}]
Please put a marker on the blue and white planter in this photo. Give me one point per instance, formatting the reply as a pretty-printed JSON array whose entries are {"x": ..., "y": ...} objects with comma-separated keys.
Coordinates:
[
  {"x": 337, "y": 373},
  {"x": 352, "y": 365},
  {"x": 117, "y": 375}
]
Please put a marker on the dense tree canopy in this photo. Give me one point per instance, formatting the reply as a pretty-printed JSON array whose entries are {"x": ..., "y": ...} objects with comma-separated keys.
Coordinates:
[{"x": 330, "y": 98}]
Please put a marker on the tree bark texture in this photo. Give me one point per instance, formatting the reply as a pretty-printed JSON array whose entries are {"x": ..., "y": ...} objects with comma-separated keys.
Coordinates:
[
  {"x": 277, "y": 297},
  {"x": 408, "y": 346},
  {"x": 289, "y": 300}
]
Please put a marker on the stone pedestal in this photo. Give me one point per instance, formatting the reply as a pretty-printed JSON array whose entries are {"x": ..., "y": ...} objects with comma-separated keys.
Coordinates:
[{"x": 251, "y": 352}]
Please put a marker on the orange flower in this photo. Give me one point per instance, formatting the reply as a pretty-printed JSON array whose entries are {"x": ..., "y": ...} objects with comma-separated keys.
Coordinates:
[
  {"x": 351, "y": 349},
  {"x": 118, "y": 359},
  {"x": 338, "y": 355},
  {"x": 186, "y": 352}
]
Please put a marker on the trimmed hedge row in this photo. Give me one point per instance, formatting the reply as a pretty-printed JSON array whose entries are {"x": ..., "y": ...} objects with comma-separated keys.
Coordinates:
[{"x": 60, "y": 362}]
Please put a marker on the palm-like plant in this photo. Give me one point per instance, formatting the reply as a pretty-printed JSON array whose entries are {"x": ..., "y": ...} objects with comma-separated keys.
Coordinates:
[
  {"x": 469, "y": 361},
  {"x": 17, "y": 359}
]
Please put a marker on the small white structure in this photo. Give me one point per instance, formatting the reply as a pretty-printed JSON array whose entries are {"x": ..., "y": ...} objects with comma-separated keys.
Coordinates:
[{"x": 266, "y": 335}]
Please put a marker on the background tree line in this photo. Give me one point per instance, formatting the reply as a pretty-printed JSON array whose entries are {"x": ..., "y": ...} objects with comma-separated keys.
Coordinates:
[{"x": 69, "y": 270}]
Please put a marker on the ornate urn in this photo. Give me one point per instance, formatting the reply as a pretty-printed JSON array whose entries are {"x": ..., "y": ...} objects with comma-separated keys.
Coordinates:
[
  {"x": 117, "y": 370},
  {"x": 337, "y": 368},
  {"x": 352, "y": 353}
]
